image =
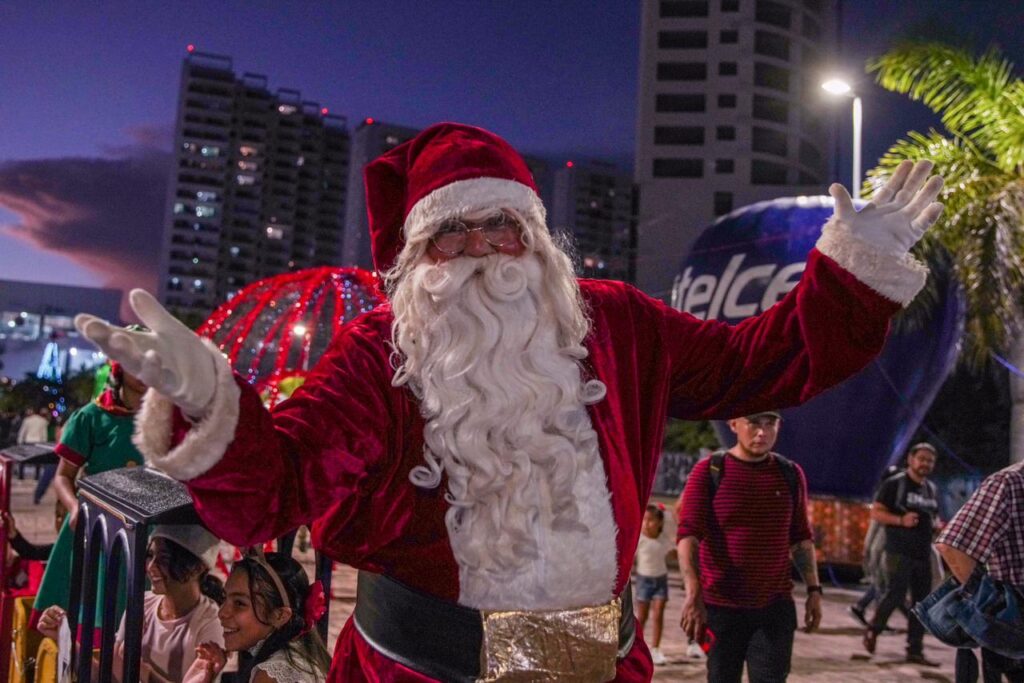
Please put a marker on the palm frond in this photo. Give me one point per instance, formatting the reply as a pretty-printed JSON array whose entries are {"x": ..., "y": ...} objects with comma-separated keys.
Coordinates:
[
  {"x": 981, "y": 231},
  {"x": 978, "y": 98}
]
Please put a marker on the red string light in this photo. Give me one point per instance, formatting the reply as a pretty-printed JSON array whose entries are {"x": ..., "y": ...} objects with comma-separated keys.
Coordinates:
[{"x": 256, "y": 328}]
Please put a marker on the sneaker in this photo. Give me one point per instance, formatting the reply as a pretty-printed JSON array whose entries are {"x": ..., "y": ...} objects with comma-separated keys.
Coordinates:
[
  {"x": 858, "y": 614},
  {"x": 693, "y": 651},
  {"x": 921, "y": 660},
  {"x": 870, "y": 641},
  {"x": 657, "y": 657}
]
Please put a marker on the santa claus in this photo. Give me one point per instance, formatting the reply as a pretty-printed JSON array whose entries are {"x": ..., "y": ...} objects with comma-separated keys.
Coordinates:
[{"x": 482, "y": 448}]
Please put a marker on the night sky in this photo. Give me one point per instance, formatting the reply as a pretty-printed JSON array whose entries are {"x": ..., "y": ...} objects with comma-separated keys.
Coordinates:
[{"x": 88, "y": 94}]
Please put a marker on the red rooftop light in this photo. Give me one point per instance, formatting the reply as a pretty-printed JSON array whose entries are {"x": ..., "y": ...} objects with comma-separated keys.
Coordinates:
[
  {"x": 569, "y": 164},
  {"x": 324, "y": 111},
  {"x": 368, "y": 121},
  {"x": 190, "y": 47}
]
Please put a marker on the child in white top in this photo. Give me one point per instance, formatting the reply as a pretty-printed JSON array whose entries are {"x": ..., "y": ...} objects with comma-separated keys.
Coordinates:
[
  {"x": 657, "y": 539},
  {"x": 271, "y": 611},
  {"x": 180, "y": 611}
]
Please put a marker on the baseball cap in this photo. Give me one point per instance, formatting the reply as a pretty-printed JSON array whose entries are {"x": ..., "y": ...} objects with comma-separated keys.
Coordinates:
[
  {"x": 192, "y": 538},
  {"x": 923, "y": 446},
  {"x": 764, "y": 413}
]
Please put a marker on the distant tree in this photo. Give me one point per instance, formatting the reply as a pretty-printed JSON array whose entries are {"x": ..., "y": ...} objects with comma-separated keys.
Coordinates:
[{"x": 682, "y": 436}]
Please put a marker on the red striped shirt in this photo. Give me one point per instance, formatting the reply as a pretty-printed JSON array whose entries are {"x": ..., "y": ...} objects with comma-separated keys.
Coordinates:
[{"x": 745, "y": 543}]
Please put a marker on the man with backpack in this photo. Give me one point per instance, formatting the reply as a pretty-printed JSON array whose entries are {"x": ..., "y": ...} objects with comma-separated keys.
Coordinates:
[
  {"x": 907, "y": 504},
  {"x": 743, "y": 520}
]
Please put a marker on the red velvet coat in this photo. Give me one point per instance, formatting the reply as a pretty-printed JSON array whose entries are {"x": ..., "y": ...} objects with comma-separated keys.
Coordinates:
[{"x": 338, "y": 454}]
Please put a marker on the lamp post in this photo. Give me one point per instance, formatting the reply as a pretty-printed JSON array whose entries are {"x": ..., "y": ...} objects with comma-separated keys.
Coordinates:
[{"x": 837, "y": 86}]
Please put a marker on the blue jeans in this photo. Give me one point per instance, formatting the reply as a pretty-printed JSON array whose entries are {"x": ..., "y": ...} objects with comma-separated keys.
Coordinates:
[
  {"x": 649, "y": 588},
  {"x": 46, "y": 474}
]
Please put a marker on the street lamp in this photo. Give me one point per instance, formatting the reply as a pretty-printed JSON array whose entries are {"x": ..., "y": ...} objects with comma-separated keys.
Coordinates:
[{"x": 839, "y": 87}]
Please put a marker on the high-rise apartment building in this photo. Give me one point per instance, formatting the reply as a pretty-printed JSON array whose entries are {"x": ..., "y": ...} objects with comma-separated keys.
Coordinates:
[
  {"x": 729, "y": 113},
  {"x": 369, "y": 140},
  {"x": 595, "y": 203},
  {"x": 258, "y": 186}
]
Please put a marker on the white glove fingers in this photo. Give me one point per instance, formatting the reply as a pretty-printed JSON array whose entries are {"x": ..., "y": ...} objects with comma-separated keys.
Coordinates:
[
  {"x": 915, "y": 182},
  {"x": 896, "y": 181},
  {"x": 94, "y": 329},
  {"x": 925, "y": 198},
  {"x": 150, "y": 312},
  {"x": 154, "y": 374},
  {"x": 927, "y": 218},
  {"x": 124, "y": 349},
  {"x": 844, "y": 203}
]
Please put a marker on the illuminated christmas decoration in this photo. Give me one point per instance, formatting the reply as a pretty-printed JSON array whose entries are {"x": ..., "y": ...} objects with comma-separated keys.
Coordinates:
[
  {"x": 52, "y": 364},
  {"x": 275, "y": 329}
]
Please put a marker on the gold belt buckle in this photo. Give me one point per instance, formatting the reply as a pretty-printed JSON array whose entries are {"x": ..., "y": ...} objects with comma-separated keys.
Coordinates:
[{"x": 579, "y": 645}]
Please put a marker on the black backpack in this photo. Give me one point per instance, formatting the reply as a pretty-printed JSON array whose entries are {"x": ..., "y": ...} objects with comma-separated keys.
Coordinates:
[{"x": 716, "y": 470}]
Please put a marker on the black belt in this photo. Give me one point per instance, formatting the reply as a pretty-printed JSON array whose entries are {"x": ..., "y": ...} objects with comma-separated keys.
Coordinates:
[{"x": 435, "y": 637}]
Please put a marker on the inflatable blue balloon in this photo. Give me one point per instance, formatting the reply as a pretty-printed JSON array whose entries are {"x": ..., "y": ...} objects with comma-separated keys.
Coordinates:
[{"x": 845, "y": 438}]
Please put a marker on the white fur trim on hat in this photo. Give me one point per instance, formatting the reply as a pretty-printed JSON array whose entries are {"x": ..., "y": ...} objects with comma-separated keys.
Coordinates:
[
  {"x": 467, "y": 196},
  {"x": 207, "y": 441},
  {"x": 897, "y": 277}
]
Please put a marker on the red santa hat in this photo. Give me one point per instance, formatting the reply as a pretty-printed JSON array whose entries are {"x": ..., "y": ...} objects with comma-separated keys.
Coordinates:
[{"x": 447, "y": 170}]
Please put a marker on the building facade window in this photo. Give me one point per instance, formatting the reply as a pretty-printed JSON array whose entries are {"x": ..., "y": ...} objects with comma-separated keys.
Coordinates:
[
  {"x": 771, "y": 45},
  {"x": 724, "y": 166},
  {"x": 682, "y": 40},
  {"x": 730, "y": 5},
  {"x": 771, "y": 76},
  {"x": 767, "y": 173},
  {"x": 723, "y": 203},
  {"x": 769, "y": 141},
  {"x": 725, "y": 133},
  {"x": 726, "y": 101},
  {"x": 729, "y": 37},
  {"x": 727, "y": 68},
  {"x": 682, "y": 71},
  {"x": 812, "y": 30},
  {"x": 678, "y": 168},
  {"x": 680, "y": 103},
  {"x": 770, "y": 109},
  {"x": 768, "y": 12},
  {"x": 683, "y": 8},
  {"x": 810, "y": 156},
  {"x": 679, "y": 135}
]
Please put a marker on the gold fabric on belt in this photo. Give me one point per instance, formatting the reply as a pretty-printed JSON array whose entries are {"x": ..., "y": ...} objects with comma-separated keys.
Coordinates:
[{"x": 578, "y": 645}]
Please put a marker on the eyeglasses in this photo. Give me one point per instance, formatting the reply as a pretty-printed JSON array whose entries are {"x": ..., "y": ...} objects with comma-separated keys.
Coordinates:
[{"x": 500, "y": 230}]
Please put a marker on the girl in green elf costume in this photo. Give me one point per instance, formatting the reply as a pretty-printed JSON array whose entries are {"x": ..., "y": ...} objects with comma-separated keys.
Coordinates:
[{"x": 97, "y": 438}]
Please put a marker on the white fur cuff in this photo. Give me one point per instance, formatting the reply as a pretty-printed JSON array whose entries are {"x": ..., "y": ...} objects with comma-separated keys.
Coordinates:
[
  {"x": 207, "y": 441},
  {"x": 896, "y": 277}
]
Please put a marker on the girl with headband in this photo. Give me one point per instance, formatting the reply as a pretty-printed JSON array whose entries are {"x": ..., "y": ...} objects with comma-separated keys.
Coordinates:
[{"x": 271, "y": 611}]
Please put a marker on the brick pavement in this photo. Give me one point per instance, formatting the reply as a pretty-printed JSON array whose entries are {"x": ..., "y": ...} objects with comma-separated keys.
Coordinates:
[{"x": 832, "y": 655}]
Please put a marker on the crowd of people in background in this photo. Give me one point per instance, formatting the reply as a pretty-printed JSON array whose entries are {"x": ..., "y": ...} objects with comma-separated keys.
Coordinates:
[{"x": 740, "y": 534}]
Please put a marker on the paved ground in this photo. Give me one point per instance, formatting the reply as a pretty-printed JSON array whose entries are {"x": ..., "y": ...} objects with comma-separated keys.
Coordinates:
[{"x": 832, "y": 655}]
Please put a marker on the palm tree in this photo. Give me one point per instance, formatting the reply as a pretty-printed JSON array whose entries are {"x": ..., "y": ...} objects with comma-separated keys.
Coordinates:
[{"x": 981, "y": 155}]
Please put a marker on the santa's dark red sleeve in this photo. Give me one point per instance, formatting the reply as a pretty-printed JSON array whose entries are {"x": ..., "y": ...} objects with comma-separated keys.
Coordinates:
[
  {"x": 256, "y": 474},
  {"x": 823, "y": 331}
]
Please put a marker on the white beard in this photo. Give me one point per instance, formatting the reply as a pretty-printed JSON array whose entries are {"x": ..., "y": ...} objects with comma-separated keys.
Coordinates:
[{"x": 504, "y": 403}]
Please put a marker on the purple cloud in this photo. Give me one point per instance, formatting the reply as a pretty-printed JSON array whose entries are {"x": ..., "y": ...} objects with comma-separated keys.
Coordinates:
[{"x": 104, "y": 213}]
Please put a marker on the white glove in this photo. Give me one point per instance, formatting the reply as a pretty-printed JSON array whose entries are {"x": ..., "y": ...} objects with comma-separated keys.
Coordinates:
[
  {"x": 897, "y": 216},
  {"x": 169, "y": 358}
]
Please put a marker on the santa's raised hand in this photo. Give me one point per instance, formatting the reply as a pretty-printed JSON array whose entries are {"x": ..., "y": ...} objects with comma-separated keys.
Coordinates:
[
  {"x": 898, "y": 215},
  {"x": 168, "y": 357}
]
